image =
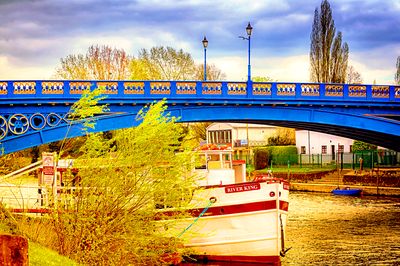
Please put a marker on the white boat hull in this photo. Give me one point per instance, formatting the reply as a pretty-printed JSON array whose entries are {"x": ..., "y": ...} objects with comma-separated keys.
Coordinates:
[{"x": 244, "y": 223}]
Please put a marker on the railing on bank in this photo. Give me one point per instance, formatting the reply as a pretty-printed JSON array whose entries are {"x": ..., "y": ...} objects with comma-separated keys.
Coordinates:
[{"x": 357, "y": 160}]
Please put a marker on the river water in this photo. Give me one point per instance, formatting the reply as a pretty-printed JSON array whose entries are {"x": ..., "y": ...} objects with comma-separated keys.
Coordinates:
[{"x": 323, "y": 229}]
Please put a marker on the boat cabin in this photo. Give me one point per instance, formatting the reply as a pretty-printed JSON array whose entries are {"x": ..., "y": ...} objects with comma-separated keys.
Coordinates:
[{"x": 217, "y": 167}]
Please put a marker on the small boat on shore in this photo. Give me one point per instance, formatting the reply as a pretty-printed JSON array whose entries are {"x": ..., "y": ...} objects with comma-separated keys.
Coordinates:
[
  {"x": 347, "y": 191},
  {"x": 244, "y": 221}
]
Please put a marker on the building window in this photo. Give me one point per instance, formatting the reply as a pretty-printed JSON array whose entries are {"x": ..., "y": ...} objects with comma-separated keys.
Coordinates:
[
  {"x": 341, "y": 148},
  {"x": 303, "y": 149},
  {"x": 323, "y": 149},
  {"x": 220, "y": 136},
  {"x": 351, "y": 148}
]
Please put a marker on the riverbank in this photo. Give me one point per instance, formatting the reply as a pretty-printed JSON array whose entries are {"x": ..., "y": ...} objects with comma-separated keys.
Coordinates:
[{"x": 327, "y": 188}]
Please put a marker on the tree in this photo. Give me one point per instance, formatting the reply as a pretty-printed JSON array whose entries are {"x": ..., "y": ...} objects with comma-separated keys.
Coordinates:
[
  {"x": 123, "y": 181},
  {"x": 397, "y": 75},
  {"x": 99, "y": 63},
  {"x": 328, "y": 56},
  {"x": 163, "y": 63},
  {"x": 213, "y": 73},
  {"x": 262, "y": 79},
  {"x": 167, "y": 63},
  {"x": 199, "y": 130},
  {"x": 283, "y": 136},
  {"x": 362, "y": 146},
  {"x": 353, "y": 76}
]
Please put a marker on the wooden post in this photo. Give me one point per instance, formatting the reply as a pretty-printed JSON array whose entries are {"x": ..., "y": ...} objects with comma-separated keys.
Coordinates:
[{"x": 13, "y": 250}]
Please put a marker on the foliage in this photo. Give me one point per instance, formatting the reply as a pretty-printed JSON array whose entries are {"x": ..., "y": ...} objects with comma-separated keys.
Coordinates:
[
  {"x": 328, "y": 56},
  {"x": 99, "y": 63},
  {"x": 39, "y": 255},
  {"x": 123, "y": 180},
  {"x": 362, "y": 146},
  {"x": 87, "y": 107},
  {"x": 397, "y": 75},
  {"x": 8, "y": 224},
  {"x": 164, "y": 63},
  {"x": 142, "y": 69},
  {"x": 13, "y": 161},
  {"x": 199, "y": 130},
  {"x": 262, "y": 79},
  {"x": 280, "y": 155},
  {"x": 260, "y": 158},
  {"x": 283, "y": 136},
  {"x": 213, "y": 72},
  {"x": 167, "y": 63}
]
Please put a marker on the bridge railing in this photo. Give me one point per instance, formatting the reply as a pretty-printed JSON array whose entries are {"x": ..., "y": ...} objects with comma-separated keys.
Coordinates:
[{"x": 63, "y": 90}]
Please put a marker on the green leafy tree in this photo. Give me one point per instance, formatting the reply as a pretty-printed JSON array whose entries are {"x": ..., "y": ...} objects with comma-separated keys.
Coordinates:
[
  {"x": 362, "y": 146},
  {"x": 111, "y": 218},
  {"x": 328, "y": 56}
]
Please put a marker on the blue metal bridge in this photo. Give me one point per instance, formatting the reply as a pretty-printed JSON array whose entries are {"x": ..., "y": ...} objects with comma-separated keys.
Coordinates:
[{"x": 35, "y": 112}]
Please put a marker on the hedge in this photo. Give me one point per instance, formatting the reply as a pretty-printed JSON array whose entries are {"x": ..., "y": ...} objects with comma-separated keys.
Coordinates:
[{"x": 280, "y": 155}]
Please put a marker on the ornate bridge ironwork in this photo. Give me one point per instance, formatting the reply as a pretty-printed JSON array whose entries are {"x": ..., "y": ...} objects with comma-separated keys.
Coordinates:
[{"x": 36, "y": 112}]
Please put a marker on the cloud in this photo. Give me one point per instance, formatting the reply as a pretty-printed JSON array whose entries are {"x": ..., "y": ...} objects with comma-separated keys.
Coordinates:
[
  {"x": 10, "y": 71},
  {"x": 290, "y": 69},
  {"x": 36, "y": 34}
]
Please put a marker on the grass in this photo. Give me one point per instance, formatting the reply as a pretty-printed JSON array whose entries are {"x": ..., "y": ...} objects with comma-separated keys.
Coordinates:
[
  {"x": 294, "y": 169},
  {"x": 39, "y": 255}
]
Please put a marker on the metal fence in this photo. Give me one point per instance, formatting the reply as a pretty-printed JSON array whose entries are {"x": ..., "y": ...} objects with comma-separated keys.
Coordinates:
[{"x": 356, "y": 160}]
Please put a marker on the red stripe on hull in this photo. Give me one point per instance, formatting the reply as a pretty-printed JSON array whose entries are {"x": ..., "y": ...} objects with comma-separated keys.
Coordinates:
[
  {"x": 237, "y": 208},
  {"x": 230, "y": 260},
  {"x": 233, "y": 209}
]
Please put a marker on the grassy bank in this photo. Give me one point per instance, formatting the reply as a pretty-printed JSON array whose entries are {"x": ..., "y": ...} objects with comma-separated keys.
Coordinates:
[
  {"x": 39, "y": 255},
  {"x": 292, "y": 169}
]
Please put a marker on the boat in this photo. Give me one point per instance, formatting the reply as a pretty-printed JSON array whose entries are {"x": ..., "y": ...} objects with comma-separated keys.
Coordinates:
[
  {"x": 235, "y": 220},
  {"x": 347, "y": 191}
]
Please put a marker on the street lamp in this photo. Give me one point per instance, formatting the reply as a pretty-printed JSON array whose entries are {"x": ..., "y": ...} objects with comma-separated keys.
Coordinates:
[
  {"x": 205, "y": 44},
  {"x": 249, "y": 29}
]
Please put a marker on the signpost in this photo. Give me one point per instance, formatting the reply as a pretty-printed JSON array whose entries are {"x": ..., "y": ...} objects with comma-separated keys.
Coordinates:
[{"x": 49, "y": 172}]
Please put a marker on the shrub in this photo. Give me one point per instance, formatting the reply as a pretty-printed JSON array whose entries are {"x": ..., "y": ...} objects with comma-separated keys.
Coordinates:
[
  {"x": 260, "y": 158},
  {"x": 280, "y": 155}
]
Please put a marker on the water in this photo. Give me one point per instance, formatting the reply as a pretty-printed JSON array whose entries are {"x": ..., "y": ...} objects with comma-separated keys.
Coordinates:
[
  {"x": 335, "y": 230},
  {"x": 324, "y": 229}
]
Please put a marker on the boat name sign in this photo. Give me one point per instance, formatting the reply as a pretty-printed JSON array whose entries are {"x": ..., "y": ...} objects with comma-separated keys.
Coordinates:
[{"x": 242, "y": 188}]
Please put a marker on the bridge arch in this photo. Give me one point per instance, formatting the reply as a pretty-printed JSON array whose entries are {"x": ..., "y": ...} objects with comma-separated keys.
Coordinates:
[{"x": 376, "y": 130}]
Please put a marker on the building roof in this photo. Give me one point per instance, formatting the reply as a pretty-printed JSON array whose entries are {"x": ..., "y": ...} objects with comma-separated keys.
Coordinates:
[{"x": 236, "y": 126}]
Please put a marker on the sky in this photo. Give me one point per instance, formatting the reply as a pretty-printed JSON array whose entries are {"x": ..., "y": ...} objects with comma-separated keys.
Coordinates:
[{"x": 36, "y": 34}]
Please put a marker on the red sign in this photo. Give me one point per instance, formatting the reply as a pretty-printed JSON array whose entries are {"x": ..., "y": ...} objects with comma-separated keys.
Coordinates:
[
  {"x": 48, "y": 168},
  {"x": 242, "y": 188}
]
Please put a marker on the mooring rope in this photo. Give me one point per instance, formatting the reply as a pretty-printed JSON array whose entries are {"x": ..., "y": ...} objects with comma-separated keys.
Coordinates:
[{"x": 211, "y": 201}]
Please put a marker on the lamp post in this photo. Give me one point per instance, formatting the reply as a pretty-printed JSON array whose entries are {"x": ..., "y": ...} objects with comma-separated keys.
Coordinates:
[
  {"x": 205, "y": 44},
  {"x": 249, "y": 29}
]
